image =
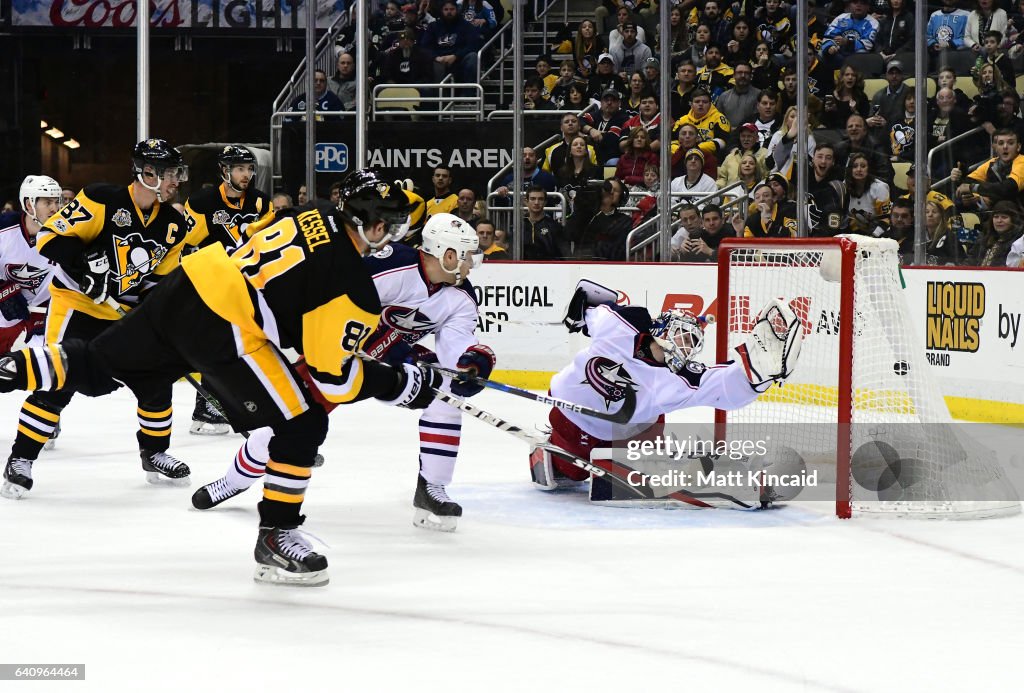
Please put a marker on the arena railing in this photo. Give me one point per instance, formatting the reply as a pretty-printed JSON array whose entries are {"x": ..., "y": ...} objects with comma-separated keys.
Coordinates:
[
  {"x": 323, "y": 60},
  {"x": 502, "y": 41},
  {"x": 633, "y": 252},
  {"x": 451, "y": 104},
  {"x": 945, "y": 145}
]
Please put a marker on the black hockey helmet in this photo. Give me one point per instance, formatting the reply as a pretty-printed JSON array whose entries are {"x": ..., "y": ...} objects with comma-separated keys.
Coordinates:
[
  {"x": 366, "y": 198},
  {"x": 160, "y": 155},
  {"x": 235, "y": 154}
]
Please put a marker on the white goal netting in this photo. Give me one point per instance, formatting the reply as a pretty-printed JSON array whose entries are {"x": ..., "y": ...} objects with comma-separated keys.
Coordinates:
[{"x": 901, "y": 453}]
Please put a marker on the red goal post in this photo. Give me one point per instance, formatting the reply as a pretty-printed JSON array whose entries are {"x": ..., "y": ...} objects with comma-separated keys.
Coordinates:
[{"x": 862, "y": 382}]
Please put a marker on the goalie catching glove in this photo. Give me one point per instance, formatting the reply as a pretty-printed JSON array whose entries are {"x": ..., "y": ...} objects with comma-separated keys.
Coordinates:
[
  {"x": 588, "y": 295},
  {"x": 773, "y": 346}
]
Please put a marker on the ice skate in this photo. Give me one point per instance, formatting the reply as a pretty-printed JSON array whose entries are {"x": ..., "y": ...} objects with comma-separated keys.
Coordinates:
[
  {"x": 207, "y": 420},
  {"x": 434, "y": 509},
  {"x": 284, "y": 557},
  {"x": 17, "y": 478},
  {"x": 213, "y": 494},
  {"x": 53, "y": 438},
  {"x": 162, "y": 468}
]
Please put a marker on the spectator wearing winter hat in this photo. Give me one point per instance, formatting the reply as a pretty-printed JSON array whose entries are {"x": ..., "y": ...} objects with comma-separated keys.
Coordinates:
[
  {"x": 623, "y": 17},
  {"x": 652, "y": 73},
  {"x": 631, "y": 54},
  {"x": 694, "y": 181}
]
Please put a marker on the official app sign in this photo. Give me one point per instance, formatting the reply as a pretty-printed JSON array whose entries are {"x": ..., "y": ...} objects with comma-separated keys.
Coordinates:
[{"x": 331, "y": 157}]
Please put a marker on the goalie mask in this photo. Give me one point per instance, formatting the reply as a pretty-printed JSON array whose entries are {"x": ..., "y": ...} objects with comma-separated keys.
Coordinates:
[
  {"x": 234, "y": 155},
  {"x": 444, "y": 232},
  {"x": 680, "y": 334},
  {"x": 366, "y": 198},
  {"x": 33, "y": 188},
  {"x": 157, "y": 157}
]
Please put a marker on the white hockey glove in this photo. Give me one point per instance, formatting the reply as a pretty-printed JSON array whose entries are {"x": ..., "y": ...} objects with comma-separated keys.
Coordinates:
[
  {"x": 773, "y": 346},
  {"x": 94, "y": 281},
  {"x": 588, "y": 294}
]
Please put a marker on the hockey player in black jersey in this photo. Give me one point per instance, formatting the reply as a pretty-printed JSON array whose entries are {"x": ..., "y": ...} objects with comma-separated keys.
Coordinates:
[
  {"x": 114, "y": 242},
  {"x": 298, "y": 282},
  {"x": 223, "y": 214}
]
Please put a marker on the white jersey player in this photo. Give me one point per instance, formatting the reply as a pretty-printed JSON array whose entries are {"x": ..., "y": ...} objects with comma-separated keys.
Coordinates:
[
  {"x": 25, "y": 278},
  {"x": 629, "y": 350},
  {"x": 25, "y": 274},
  {"x": 423, "y": 292}
]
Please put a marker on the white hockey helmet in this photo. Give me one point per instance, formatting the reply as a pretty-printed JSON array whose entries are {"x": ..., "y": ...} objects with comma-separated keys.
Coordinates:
[
  {"x": 444, "y": 232},
  {"x": 34, "y": 187},
  {"x": 680, "y": 334}
]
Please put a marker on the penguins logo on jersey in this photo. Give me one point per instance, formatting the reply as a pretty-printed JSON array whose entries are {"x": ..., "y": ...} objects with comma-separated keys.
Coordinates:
[
  {"x": 136, "y": 257},
  {"x": 237, "y": 220},
  {"x": 608, "y": 378},
  {"x": 26, "y": 276},
  {"x": 410, "y": 322}
]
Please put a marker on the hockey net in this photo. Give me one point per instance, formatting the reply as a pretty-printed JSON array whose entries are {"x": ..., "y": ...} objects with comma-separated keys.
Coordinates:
[{"x": 861, "y": 400}]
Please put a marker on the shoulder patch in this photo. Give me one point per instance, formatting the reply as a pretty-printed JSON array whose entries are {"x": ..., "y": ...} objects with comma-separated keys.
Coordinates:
[{"x": 384, "y": 252}]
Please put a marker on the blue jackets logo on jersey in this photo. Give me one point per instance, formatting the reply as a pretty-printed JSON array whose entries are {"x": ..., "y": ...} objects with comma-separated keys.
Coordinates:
[
  {"x": 26, "y": 276},
  {"x": 413, "y": 324},
  {"x": 608, "y": 378}
]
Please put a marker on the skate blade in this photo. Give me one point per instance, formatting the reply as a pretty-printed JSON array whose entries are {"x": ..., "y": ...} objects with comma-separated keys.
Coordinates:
[
  {"x": 13, "y": 491},
  {"x": 158, "y": 479},
  {"x": 202, "y": 428},
  {"x": 424, "y": 519},
  {"x": 271, "y": 575}
]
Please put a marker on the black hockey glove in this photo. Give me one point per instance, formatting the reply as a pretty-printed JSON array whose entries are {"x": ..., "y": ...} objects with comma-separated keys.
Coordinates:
[
  {"x": 13, "y": 305},
  {"x": 414, "y": 387},
  {"x": 94, "y": 281},
  {"x": 476, "y": 362}
]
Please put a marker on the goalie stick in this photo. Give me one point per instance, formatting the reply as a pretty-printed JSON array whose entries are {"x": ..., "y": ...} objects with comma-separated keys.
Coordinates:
[
  {"x": 615, "y": 474},
  {"x": 622, "y": 416}
]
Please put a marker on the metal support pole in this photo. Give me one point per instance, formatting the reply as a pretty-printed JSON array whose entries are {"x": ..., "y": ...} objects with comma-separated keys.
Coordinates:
[
  {"x": 362, "y": 121},
  {"x": 518, "y": 122},
  {"x": 800, "y": 168},
  {"x": 310, "y": 100},
  {"x": 665, "y": 154},
  {"x": 142, "y": 74},
  {"x": 920, "y": 136}
]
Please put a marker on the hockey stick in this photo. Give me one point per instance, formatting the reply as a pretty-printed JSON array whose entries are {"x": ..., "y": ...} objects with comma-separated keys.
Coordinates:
[
  {"x": 622, "y": 416},
  {"x": 203, "y": 392},
  {"x": 615, "y": 474}
]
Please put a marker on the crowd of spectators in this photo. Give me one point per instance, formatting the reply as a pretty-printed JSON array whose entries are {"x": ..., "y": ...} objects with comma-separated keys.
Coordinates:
[{"x": 734, "y": 122}]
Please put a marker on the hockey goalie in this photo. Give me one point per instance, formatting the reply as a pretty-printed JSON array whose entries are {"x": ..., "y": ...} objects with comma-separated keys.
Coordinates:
[{"x": 657, "y": 358}]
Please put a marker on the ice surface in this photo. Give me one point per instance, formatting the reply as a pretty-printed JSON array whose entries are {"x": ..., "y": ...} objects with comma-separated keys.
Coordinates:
[{"x": 534, "y": 592}]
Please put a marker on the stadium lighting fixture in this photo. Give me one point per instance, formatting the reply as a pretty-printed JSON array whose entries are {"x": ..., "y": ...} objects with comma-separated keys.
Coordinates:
[
  {"x": 43, "y": 125},
  {"x": 72, "y": 144},
  {"x": 55, "y": 133}
]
